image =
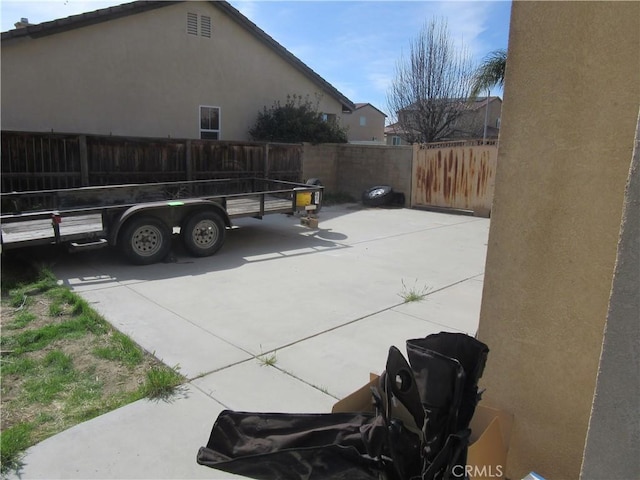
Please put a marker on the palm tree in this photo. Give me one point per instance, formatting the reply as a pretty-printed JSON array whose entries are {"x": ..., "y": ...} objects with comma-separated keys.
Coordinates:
[{"x": 489, "y": 73}]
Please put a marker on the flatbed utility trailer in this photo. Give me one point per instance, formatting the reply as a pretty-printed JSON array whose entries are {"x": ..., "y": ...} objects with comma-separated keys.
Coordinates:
[{"x": 140, "y": 219}]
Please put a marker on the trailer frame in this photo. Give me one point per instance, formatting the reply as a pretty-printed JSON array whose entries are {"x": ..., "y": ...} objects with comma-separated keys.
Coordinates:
[{"x": 140, "y": 219}]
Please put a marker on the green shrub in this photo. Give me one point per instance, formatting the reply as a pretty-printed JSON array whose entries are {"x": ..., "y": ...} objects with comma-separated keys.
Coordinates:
[{"x": 298, "y": 120}]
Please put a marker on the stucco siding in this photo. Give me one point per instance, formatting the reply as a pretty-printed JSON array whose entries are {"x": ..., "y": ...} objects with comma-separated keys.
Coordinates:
[
  {"x": 143, "y": 75},
  {"x": 569, "y": 118},
  {"x": 616, "y": 401},
  {"x": 373, "y": 128}
]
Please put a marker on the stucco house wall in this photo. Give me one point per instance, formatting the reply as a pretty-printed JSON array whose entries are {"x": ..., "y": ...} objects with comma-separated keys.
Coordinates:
[
  {"x": 142, "y": 74},
  {"x": 566, "y": 142},
  {"x": 470, "y": 124},
  {"x": 365, "y": 124},
  {"x": 393, "y": 136},
  {"x": 617, "y": 398}
]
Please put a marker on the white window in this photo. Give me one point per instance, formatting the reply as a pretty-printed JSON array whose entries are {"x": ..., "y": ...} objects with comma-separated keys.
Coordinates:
[
  {"x": 395, "y": 141},
  {"x": 329, "y": 117},
  {"x": 363, "y": 121},
  {"x": 209, "y": 123}
]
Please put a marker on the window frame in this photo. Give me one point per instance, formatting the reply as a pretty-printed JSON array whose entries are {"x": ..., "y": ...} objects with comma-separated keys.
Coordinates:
[
  {"x": 329, "y": 117},
  {"x": 201, "y": 130}
]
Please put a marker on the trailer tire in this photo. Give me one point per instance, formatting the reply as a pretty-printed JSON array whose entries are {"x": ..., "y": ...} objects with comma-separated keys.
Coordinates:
[
  {"x": 145, "y": 240},
  {"x": 203, "y": 233},
  {"x": 377, "y": 196}
]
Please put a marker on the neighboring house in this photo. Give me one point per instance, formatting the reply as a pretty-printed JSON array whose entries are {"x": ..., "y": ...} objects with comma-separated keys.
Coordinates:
[
  {"x": 152, "y": 69},
  {"x": 365, "y": 125},
  {"x": 470, "y": 124},
  {"x": 394, "y": 135}
]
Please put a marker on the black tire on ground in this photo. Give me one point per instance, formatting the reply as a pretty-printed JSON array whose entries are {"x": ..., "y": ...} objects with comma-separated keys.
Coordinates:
[
  {"x": 203, "y": 233},
  {"x": 377, "y": 196},
  {"x": 145, "y": 240}
]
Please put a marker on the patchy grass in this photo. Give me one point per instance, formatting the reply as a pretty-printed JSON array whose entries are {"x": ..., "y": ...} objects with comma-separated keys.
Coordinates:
[
  {"x": 62, "y": 364},
  {"x": 121, "y": 349},
  {"x": 414, "y": 293},
  {"x": 13, "y": 441},
  {"x": 161, "y": 382}
]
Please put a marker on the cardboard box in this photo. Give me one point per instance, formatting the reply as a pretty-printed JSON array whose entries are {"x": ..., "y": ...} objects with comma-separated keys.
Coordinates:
[
  {"x": 490, "y": 433},
  {"x": 489, "y": 443},
  {"x": 309, "y": 221}
]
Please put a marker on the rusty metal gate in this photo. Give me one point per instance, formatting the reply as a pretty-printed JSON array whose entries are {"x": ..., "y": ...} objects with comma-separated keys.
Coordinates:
[{"x": 456, "y": 175}]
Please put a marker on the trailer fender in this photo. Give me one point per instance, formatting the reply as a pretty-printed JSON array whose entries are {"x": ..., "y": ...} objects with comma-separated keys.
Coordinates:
[{"x": 171, "y": 212}]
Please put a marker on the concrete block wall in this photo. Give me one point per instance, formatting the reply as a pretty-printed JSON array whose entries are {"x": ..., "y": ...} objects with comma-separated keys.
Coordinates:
[
  {"x": 363, "y": 166},
  {"x": 320, "y": 161},
  {"x": 349, "y": 168}
]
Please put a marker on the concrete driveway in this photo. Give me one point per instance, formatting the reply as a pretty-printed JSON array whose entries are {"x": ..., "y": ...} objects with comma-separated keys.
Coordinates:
[{"x": 326, "y": 304}]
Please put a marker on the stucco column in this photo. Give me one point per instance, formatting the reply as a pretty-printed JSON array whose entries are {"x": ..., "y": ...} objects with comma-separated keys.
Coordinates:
[
  {"x": 613, "y": 438},
  {"x": 569, "y": 117}
]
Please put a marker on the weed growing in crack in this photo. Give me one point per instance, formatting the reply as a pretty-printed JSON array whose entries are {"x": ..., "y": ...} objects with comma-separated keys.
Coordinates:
[
  {"x": 267, "y": 360},
  {"x": 413, "y": 294}
]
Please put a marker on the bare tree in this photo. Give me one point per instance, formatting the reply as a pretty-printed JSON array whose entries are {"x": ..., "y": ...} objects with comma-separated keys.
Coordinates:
[{"x": 430, "y": 88}]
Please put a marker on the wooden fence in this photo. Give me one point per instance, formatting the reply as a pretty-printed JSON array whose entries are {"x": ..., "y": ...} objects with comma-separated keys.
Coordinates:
[{"x": 41, "y": 161}]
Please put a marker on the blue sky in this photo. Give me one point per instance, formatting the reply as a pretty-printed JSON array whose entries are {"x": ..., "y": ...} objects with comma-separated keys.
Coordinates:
[{"x": 354, "y": 45}]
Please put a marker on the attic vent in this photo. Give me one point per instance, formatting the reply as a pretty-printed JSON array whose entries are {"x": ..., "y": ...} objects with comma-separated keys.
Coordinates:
[
  {"x": 192, "y": 23},
  {"x": 205, "y": 26}
]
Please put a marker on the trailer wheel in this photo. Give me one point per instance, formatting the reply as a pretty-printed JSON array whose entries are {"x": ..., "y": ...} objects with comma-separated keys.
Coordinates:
[
  {"x": 203, "y": 233},
  {"x": 145, "y": 240},
  {"x": 377, "y": 196}
]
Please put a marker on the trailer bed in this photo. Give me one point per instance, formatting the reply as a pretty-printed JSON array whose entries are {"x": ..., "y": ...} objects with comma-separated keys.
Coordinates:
[{"x": 80, "y": 226}]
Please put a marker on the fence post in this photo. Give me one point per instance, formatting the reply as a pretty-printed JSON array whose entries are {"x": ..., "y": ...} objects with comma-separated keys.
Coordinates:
[
  {"x": 266, "y": 160},
  {"x": 187, "y": 160},
  {"x": 84, "y": 161}
]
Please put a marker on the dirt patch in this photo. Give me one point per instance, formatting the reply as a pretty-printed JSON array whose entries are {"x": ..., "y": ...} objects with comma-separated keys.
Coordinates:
[{"x": 113, "y": 377}]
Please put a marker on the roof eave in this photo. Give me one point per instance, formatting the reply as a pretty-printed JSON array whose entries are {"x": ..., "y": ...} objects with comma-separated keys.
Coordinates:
[
  {"x": 362, "y": 105},
  {"x": 83, "y": 19},
  {"x": 261, "y": 35},
  {"x": 110, "y": 13}
]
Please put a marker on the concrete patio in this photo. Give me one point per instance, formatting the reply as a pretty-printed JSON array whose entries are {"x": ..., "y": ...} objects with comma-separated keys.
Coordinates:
[{"x": 325, "y": 304}]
